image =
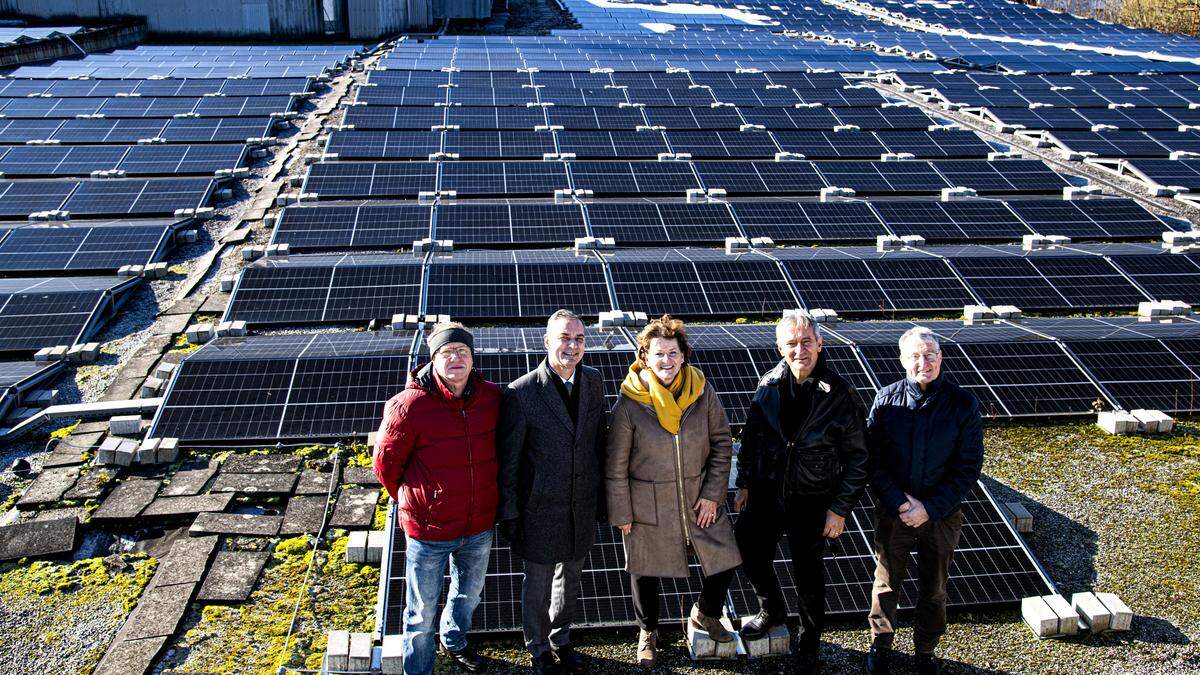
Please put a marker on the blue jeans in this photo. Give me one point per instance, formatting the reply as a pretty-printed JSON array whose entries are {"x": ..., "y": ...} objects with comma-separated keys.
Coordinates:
[{"x": 424, "y": 571}]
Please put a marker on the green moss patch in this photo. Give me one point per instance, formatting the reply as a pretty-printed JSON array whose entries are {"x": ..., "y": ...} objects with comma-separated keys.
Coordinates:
[{"x": 250, "y": 637}]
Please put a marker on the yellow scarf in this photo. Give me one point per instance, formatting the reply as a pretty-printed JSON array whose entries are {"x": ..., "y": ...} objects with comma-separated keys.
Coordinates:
[{"x": 669, "y": 402}]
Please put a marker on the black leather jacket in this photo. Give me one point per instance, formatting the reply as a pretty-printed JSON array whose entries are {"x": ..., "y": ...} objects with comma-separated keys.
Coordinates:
[{"x": 827, "y": 455}]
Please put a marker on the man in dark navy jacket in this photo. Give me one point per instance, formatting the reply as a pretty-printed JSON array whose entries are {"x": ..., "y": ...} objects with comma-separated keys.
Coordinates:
[{"x": 925, "y": 436}]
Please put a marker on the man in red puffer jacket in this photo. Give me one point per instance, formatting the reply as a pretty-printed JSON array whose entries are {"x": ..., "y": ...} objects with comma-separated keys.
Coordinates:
[{"x": 436, "y": 456}]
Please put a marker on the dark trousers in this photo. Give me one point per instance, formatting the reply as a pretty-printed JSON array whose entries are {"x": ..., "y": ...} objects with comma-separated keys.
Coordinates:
[
  {"x": 758, "y": 530},
  {"x": 549, "y": 594},
  {"x": 934, "y": 543},
  {"x": 646, "y": 589}
]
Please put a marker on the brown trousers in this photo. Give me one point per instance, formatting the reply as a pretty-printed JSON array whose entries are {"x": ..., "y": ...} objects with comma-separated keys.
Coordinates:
[{"x": 934, "y": 543}]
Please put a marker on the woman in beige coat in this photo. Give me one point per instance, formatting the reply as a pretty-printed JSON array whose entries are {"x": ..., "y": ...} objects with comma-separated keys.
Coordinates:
[{"x": 667, "y": 476}]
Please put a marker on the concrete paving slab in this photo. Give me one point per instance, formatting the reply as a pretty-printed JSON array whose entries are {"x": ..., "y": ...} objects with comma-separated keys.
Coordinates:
[
  {"x": 261, "y": 464},
  {"x": 312, "y": 482},
  {"x": 127, "y": 500},
  {"x": 189, "y": 482},
  {"x": 245, "y": 524},
  {"x": 360, "y": 475},
  {"x": 63, "y": 457},
  {"x": 164, "y": 507},
  {"x": 37, "y": 538},
  {"x": 158, "y": 612},
  {"x": 303, "y": 514},
  {"x": 130, "y": 656},
  {"x": 232, "y": 576},
  {"x": 90, "y": 485},
  {"x": 76, "y": 512},
  {"x": 186, "y": 562},
  {"x": 355, "y": 508},
  {"x": 271, "y": 484},
  {"x": 49, "y": 487}
]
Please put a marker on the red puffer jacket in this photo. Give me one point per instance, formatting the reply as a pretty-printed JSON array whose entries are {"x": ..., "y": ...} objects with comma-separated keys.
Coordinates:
[{"x": 436, "y": 455}]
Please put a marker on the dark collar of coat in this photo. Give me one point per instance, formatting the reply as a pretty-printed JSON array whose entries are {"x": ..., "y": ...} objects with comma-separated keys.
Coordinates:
[
  {"x": 550, "y": 395},
  {"x": 915, "y": 393},
  {"x": 768, "y": 390}
]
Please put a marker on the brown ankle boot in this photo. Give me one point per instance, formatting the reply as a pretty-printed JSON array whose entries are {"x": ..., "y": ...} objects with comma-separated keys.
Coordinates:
[
  {"x": 647, "y": 653},
  {"x": 712, "y": 626}
]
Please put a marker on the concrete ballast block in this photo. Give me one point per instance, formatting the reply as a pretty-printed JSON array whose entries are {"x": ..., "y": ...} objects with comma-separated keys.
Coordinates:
[
  {"x": 777, "y": 642},
  {"x": 125, "y": 425},
  {"x": 337, "y": 652},
  {"x": 1117, "y": 422},
  {"x": 356, "y": 547},
  {"x": 392, "y": 655},
  {"x": 375, "y": 540},
  {"x": 147, "y": 452},
  {"x": 1068, "y": 620},
  {"x": 1092, "y": 613},
  {"x": 1020, "y": 516},
  {"x": 1040, "y": 618},
  {"x": 168, "y": 450},
  {"x": 702, "y": 647},
  {"x": 1122, "y": 616},
  {"x": 360, "y": 652}
]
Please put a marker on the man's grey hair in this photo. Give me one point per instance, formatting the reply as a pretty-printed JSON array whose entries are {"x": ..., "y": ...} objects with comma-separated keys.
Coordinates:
[
  {"x": 439, "y": 327},
  {"x": 562, "y": 314},
  {"x": 922, "y": 333},
  {"x": 799, "y": 318}
]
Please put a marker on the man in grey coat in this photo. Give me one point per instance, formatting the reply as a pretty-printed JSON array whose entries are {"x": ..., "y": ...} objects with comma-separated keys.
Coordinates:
[{"x": 551, "y": 444}]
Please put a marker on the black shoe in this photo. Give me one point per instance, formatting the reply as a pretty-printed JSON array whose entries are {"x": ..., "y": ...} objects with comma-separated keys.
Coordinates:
[
  {"x": 569, "y": 660},
  {"x": 467, "y": 659},
  {"x": 545, "y": 664},
  {"x": 879, "y": 660},
  {"x": 928, "y": 664},
  {"x": 758, "y": 627}
]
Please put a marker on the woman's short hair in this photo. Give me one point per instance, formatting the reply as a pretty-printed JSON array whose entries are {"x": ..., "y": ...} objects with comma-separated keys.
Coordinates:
[{"x": 665, "y": 328}]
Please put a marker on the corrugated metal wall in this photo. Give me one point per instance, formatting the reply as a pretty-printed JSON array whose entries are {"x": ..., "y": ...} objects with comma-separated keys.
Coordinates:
[
  {"x": 367, "y": 19},
  {"x": 203, "y": 17}
]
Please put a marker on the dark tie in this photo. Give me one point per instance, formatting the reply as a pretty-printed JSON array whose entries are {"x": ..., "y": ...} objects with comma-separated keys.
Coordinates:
[{"x": 569, "y": 385}]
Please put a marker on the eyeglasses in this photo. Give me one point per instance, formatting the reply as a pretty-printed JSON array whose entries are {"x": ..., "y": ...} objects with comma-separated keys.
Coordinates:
[
  {"x": 929, "y": 356},
  {"x": 461, "y": 352}
]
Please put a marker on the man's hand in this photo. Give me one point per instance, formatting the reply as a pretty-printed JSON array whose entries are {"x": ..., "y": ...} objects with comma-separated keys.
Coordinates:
[
  {"x": 512, "y": 530},
  {"x": 706, "y": 512},
  {"x": 739, "y": 501},
  {"x": 915, "y": 515},
  {"x": 834, "y": 524},
  {"x": 626, "y": 528}
]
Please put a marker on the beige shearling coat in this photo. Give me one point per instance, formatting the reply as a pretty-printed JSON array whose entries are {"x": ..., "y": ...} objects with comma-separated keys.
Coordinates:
[{"x": 653, "y": 479}]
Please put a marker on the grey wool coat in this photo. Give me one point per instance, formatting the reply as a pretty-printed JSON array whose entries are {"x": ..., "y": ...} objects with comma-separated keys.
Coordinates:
[
  {"x": 551, "y": 469},
  {"x": 645, "y": 487}
]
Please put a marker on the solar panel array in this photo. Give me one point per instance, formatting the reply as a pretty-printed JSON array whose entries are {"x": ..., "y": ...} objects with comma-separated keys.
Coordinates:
[
  {"x": 671, "y": 133},
  {"x": 117, "y": 144}
]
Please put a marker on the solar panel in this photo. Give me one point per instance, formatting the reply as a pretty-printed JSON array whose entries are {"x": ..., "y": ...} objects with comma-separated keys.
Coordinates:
[
  {"x": 358, "y": 179},
  {"x": 332, "y": 227},
  {"x": 991, "y": 566},
  {"x": 807, "y": 221},
  {"x": 951, "y": 221},
  {"x": 1105, "y": 218},
  {"x": 509, "y": 224},
  {"x": 47, "y": 312},
  {"x": 330, "y": 385},
  {"x": 1124, "y": 366},
  {"x": 141, "y": 197},
  {"x": 82, "y": 247},
  {"x": 698, "y": 282},
  {"x": 327, "y": 289},
  {"x": 645, "y": 223},
  {"x": 514, "y": 284},
  {"x": 1184, "y": 173},
  {"x": 1174, "y": 277}
]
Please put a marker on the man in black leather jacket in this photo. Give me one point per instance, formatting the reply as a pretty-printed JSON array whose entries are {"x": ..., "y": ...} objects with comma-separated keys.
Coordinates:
[
  {"x": 801, "y": 469},
  {"x": 926, "y": 440}
]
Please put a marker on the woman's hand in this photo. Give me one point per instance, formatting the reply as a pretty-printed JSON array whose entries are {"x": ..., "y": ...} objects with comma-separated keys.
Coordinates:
[
  {"x": 626, "y": 528},
  {"x": 706, "y": 512}
]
